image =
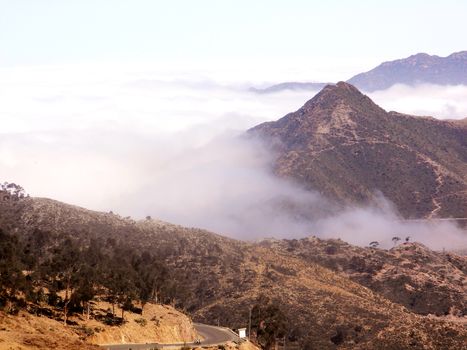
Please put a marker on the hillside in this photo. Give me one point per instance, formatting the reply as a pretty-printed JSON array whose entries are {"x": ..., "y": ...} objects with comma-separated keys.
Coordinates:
[
  {"x": 346, "y": 147},
  {"x": 461, "y": 122},
  {"x": 217, "y": 279},
  {"x": 410, "y": 274},
  {"x": 161, "y": 324},
  {"x": 416, "y": 69}
]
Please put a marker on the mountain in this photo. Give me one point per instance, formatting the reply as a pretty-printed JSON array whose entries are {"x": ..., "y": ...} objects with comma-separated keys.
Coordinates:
[
  {"x": 289, "y": 86},
  {"x": 416, "y": 69},
  {"x": 321, "y": 304},
  {"x": 406, "y": 274},
  {"x": 343, "y": 145},
  {"x": 461, "y": 122}
]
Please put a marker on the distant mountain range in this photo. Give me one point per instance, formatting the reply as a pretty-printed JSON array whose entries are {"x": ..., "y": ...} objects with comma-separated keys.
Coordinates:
[
  {"x": 416, "y": 69},
  {"x": 290, "y": 86},
  {"x": 343, "y": 145},
  {"x": 419, "y": 68}
]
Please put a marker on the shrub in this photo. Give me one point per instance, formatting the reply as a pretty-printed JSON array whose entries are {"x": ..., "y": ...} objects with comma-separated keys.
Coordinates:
[
  {"x": 141, "y": 321},
  {"x": 87, "y": 331}
]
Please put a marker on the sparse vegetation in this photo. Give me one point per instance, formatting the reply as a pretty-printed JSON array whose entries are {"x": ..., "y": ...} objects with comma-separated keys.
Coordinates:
[
  {"x": 217, "y": 279},
  {"x": 343, "y": 145},
  {"x": 141, "y": 321},
  {"x": 395, "y": 240},
  {"x": 40, "y": 267}
]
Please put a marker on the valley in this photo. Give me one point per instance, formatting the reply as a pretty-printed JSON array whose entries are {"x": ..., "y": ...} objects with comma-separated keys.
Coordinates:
[{"x": 233, "y": 175}]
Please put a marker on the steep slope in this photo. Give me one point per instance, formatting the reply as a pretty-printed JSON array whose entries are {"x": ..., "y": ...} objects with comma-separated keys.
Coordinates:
[
  {"x": 348, "y": 148},
  {"x": 219, "y": 279},
  {"x": 27, "y": 331},
  {"x": 161, "y": 324},
  {"x": 419, "y": 68},
  {"x": 410, "y": 274}
]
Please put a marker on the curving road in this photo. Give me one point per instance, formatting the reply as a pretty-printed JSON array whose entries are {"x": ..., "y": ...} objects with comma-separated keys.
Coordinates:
[{"x": 211, "y": 336}]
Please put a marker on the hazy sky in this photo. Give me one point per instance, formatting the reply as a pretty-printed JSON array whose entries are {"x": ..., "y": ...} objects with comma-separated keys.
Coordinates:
[
  {"x": 263, "y": 40},
  {"x": 135, "y": 106}
]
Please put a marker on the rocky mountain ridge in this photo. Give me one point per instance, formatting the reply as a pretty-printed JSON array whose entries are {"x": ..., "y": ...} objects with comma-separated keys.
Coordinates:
[
  {"x": 343, "y": 145},
  {"x": 416, "y": 69}
]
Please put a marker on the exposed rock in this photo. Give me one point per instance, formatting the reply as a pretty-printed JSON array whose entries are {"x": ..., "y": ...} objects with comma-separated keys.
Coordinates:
[{"x": 346, "y": 147}]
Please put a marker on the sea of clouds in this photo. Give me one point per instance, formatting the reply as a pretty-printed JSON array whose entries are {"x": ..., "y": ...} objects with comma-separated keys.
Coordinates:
[{"x": 146, "y": 142}]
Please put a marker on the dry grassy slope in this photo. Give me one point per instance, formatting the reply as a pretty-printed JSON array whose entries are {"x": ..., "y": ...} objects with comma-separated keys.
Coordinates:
[
  {"x": 161, "y": 324},
  {"x": 319, "y": 303},
  {"x": 409, "y": 274},
  {"x": 221, "y": 278},
  {"x": 342, "y": 144},
  {"x": 31, "y": 332}
]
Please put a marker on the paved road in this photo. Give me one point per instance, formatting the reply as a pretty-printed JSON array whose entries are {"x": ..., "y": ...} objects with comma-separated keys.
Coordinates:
[{"x": 211, "y": 336}]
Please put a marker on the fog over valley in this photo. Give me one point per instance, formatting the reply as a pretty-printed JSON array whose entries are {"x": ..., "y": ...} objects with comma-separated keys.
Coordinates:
[{"x": 143, "y": 143}]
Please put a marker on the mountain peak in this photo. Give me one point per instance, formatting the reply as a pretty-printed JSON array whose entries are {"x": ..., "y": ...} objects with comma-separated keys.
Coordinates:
[
  {"x": 338, "y": 110},
  {"x": 340, "y": 96},
  {"x": 344, "y": 89},
  {"x": 346, "y": 147}
]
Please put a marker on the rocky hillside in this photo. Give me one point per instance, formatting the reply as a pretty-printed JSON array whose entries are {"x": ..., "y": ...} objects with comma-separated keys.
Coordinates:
[
  {"x": 343, "y": 145},
  {"x": 461, "y": 122},
  {"x": 416, "y": 69},
  {"x": 219, "y": 280},
  {"x": 410, "y": 274}
]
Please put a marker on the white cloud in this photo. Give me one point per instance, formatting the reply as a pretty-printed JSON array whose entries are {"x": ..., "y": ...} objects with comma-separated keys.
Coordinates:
[
  {"x": 443, "y": 102},
  {"x": 142, "y": 143}
]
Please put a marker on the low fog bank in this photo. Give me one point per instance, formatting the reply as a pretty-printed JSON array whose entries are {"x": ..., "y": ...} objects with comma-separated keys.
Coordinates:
[
  {"x": 362, "y": 225},
  {"x": 140, "y": 144},
  {"x": 224, "y": 185},
  {"x": 442, "y": 102}
]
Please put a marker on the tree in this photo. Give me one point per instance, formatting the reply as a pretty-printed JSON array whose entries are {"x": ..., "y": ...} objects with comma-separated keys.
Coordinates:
[
  {"x": 64, "y": 267},
  {"x": 407, "y": 239},
  {"x": 374, "y": 244},
  {"x": 268, "y": 322},
  {"x": 12, "y": 278},
  {"x": 395, "y": 239},
  {"x": 13, "y": 190},
  {"x": 120, "y": 278},
  {"x": 151, "y": 275}
]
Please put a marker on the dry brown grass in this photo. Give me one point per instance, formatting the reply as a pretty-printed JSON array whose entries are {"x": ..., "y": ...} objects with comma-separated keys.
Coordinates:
[{"x": 162, "y": 324}]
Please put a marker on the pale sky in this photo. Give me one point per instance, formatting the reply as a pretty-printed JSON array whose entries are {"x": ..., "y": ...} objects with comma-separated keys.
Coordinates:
[
  {"x": 242, "y": 39},
  {"x": 134, "y": 106}
]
